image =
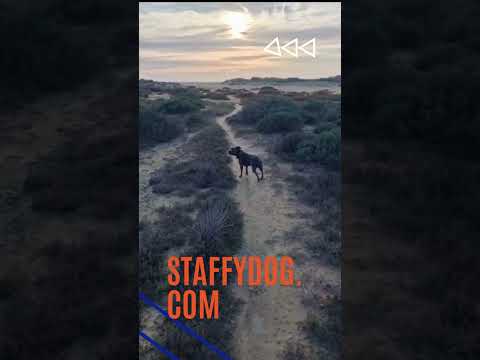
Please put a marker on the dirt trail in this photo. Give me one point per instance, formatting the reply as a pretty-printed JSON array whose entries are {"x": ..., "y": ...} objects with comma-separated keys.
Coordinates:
[
  {"x": 270, "y": 317},
  {"x": 272, "y": 216}
]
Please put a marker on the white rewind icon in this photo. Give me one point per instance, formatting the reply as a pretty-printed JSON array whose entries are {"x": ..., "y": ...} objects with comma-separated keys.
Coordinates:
[{"x": 287, "y": 47}]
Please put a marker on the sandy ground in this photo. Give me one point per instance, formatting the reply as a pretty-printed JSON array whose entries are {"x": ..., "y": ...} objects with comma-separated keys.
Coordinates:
[{"x": 271, "y": 316}]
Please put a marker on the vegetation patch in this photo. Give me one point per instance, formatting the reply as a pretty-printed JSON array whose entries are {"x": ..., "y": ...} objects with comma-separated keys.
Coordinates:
[
  {"x": 257, "y": 109},
  {"x": 324, "y": 327},
  {"x": 208, "y": 169},
  {"x": 162, "y": 119},
  {"x": 280, "y": 121},
  {"x": 209, "y": 225},
  {"x": 323, "y": 148}
]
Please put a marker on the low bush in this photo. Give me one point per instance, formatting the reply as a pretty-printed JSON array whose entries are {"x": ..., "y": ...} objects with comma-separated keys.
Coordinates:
[
  {"x": 281, "y": 121},
  {"x": 186, "y": 178},
  {"x": 162, "y": 120},
  {"x": 208, "y": 168},
  {"x": 288, "y": 144},
  {"x": 324, "y": 148},
  {"x": 319, "y": 111},
  {"x": 258, "y": 108},
  {"x": 182, "y": 105},
  {"x": 324, "y": 327},
  {"x": 171, "y": 230},
  {"x": 218, "y": 226},
  {"x": 326, "y": 247},
  {"x": 322, "y": 192},
  {"x": 156, "y": 127},
  {"x": 217, "y": 231},
  {"x": 216, "y": 95}
]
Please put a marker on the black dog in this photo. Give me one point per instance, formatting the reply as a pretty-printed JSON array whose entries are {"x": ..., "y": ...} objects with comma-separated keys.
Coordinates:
[{"x": 247, "y": 160}]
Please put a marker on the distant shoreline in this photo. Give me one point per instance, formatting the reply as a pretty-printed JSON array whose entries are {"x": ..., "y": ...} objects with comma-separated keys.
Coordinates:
[
  {"x": 255, "y": 84},
  {"x": 239, "y": 81},
  {"x": 275, "y": 80}
]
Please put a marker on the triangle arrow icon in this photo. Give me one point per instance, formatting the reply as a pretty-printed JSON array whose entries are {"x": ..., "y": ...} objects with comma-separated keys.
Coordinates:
[
  {"x": 311, "y": 53},
  {"x": 268, "y": 50},
  {"x": 285, "y": 47}
]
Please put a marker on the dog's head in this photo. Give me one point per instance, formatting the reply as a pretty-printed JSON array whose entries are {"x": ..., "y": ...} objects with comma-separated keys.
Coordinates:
[{"x": 235, "y": 151}]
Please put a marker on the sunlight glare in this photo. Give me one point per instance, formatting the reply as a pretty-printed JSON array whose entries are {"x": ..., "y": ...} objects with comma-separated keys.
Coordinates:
[{"x": 239, "y": 23}]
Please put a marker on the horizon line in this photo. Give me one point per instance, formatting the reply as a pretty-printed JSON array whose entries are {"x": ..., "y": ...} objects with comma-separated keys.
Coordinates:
[{"x": 217, "y": 81}]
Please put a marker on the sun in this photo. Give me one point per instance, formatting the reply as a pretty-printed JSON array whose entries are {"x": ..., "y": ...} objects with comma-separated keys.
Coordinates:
[{"x": 238, "y": 22}]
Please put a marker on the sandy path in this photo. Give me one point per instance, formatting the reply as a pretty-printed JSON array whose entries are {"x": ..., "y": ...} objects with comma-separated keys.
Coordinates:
[
  {"x": 270, "y": 317},
  {"x": 272, "y": 213}
]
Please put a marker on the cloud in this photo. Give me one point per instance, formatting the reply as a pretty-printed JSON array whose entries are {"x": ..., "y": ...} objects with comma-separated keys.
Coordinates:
[
  {"x": 195, "y": 38},
  {"x": 246, "y": 57}
]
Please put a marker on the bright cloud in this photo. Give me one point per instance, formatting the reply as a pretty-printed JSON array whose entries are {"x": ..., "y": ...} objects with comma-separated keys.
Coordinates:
[{"x": 216, "y": 41}]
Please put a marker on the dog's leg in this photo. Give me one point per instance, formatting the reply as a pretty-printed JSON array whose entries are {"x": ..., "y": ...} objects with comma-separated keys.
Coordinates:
[
  {"x": 261, "y": 169},
  {"x": 241, "y": 170},
  {"x": 255, "y": 171},
  {"x": 246, "y": 170}
]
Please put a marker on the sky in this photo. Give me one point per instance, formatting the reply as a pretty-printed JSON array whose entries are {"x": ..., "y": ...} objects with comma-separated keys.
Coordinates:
[{"x": 189, "y": 42}]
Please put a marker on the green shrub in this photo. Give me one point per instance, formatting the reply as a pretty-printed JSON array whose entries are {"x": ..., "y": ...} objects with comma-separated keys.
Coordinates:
[
  {"x": 314, "y": 111},
  {"x": 281, "y": 121},
  {"x": 172, "y": 229},
  {"x": 162, "y": 120},
  {"x": 289, "y": 144},
  {"x": 315, "y": 106},
  {"x": 153, "y": 105},
  {"x": 218, "y": 226},
  {"x": 216, "y": 95},
  {"x": 155, "y": 127},
  {"x": 332, "y": 115},
  {"x": 182, "y": 105},
  {"x": 257, "y": 109},
  {"x": 324, "y": 148}
]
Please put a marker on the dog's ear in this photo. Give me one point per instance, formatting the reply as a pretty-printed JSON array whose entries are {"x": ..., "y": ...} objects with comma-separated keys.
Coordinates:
[{"x": 239, "y": 148}]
